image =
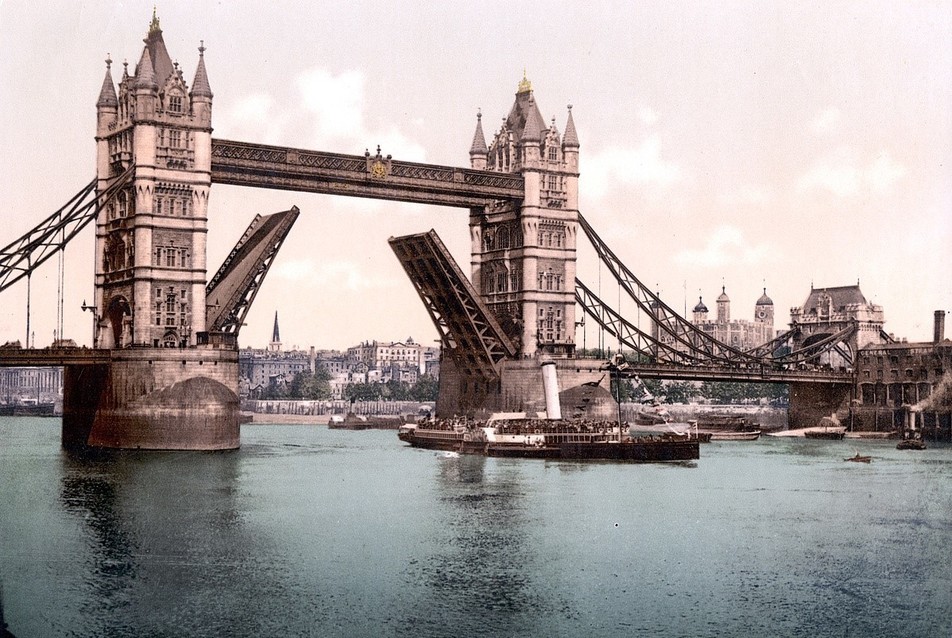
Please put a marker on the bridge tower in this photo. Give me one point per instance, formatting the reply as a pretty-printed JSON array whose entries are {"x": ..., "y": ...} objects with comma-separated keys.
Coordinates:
[
  {"x": 523, "y": 253},
  {"x": 167, "y": 385},
  {"x": 150, "y": 240}
]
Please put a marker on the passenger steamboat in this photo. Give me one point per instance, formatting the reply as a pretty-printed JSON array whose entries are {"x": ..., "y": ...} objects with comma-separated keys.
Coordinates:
[
  {"x": 523, "y": 436},
  {"x": 547, "y": 436}
]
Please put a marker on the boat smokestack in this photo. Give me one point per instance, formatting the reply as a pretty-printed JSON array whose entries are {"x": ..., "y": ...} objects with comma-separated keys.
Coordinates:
[
  {"x": 939, "y": 334},
  {"x": 550, "y": 384}
]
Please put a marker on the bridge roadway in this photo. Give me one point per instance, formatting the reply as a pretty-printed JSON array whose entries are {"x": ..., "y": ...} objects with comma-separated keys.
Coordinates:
[
  {"x": 374, "y": 176},
  {"x": 25, "y": 357},
  {"x": 751, "y": 374},
  {"x": 10, "y": 357}
]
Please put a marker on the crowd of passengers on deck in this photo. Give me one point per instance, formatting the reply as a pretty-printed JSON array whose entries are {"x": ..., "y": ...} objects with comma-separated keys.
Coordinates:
[{"x": 526, "y": 426}]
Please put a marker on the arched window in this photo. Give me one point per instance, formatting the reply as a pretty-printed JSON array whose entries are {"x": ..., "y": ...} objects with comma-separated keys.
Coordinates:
[{"x": 502, "y": 238}]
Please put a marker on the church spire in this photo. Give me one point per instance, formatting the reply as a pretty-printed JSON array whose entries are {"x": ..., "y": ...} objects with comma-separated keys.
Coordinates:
[{"x": 275, "y": 345}]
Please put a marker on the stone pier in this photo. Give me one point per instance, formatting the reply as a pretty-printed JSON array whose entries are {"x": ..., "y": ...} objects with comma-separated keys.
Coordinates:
[{"x": 154, "y": 399}]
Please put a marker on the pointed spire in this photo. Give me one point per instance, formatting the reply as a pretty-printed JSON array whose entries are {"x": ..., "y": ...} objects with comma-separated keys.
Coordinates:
[
  {"x": 276, "y": 334},
  {"x": 145, "y": 75},
  {"x": 533, "y": 129},
  {"x": 161, "y": 62},
  {"x": 479, "y": 140},
  {"x": 107, "y": 96},
  {"x": 570, "y": 139},
  {"x": 200, "y": 86}
]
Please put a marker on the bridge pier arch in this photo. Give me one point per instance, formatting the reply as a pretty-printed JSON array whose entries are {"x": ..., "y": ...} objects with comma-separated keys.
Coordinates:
[
  {"x": 153, "y": 399},
  {"x": 810, "y": 402}
]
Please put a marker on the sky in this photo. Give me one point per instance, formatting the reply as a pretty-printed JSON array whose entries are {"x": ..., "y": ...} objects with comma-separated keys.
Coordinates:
[{"x": 736, "y": 144}]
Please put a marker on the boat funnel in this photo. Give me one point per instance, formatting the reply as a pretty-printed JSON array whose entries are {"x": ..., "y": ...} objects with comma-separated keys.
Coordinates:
[{"x": 550, "y": 384}]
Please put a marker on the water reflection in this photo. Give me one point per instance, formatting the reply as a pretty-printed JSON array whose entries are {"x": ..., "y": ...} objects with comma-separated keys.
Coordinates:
[
  {"x": 163, "y": 534},
  {"x": 480, "y": 577}
]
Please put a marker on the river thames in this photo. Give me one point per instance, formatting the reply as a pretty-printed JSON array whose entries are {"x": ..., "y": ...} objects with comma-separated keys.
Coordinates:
[{"x": 307, "y": 531}]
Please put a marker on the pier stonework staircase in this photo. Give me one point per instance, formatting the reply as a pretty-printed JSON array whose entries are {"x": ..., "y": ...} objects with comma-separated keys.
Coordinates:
[{"x": 474, "y": 341}]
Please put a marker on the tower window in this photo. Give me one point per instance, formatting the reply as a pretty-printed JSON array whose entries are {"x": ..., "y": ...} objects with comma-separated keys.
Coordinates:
[
  {"x": 175, "y": 103},
  {"x": 553, "y": 154}
]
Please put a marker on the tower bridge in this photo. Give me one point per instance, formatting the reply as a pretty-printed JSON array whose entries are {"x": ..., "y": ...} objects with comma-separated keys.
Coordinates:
[{"x": 163, "y": 369}]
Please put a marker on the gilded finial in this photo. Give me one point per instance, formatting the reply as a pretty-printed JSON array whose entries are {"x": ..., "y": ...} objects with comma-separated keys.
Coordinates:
[
  {"x": 479, "y": 113},
  {"x": 154, "y": 26},
  {"x": 524, "y": 85},
  {"x": 201, "y": 48},
  {"x": 108, "y": 61}
]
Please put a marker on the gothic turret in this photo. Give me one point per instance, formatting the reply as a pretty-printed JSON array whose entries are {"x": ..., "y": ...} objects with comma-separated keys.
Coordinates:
[
  {"x": 107, "y": 96},
  {"x": 478, "y": 151},
  {"x": 150, "y": 271},
  {"x": 523, "y": 251},
  {"x": 723, "y": 307},
  {"x": 107, "y": 106},
  {"x": 700, "y": 311},
  {"x": 201, "y": 94},
  {"x": 571, "y": 137},
  {"x": 764, "y": 309}
]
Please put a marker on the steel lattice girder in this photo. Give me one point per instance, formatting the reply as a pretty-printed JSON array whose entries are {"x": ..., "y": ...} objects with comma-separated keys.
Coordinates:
[
  {"x": 468, "y": 331},
  {"x": 22, "y": 256},
  {"x": 231, "y": 291},
  {"x": 702, "y": 347}
]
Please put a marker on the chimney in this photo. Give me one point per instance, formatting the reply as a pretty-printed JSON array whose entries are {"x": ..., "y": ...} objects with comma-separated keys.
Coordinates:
[{"x": 939, "y": 334}]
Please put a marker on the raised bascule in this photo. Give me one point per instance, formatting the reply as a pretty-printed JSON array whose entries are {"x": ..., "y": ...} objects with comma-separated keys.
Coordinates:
[{"x": 163, "y": 370}]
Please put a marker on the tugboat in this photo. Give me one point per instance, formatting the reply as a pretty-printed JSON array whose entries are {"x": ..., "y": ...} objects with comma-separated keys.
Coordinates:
[
  {"x": 912, "y": 435},
  {"x": 548, "y": 436}
]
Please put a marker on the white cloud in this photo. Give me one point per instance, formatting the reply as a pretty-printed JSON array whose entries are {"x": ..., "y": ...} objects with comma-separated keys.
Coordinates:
[
  {"x": 341, "y": 275},
  {"x": 844, "y": 175},
  {"x": 335, "y": 103},
  {"x": 826, "y": 121},
  {"x": 643, "y": 166},
  {"x": 253, "y": 117},
  {"x": 726, "y": 246},
  {"x": 330, "y": 114},
  {"x": 883, "y": 173},
  {"x": 647, "y": 116},
  {"x": 747, "y": 195}
]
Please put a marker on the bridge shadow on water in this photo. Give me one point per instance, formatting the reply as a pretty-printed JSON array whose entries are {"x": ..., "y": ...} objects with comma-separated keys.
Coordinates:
[{"x": 167, "y": 548}]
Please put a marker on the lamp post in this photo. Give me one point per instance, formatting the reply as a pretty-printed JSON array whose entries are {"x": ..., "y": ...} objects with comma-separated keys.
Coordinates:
[{"x": 91, "y": 309}]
